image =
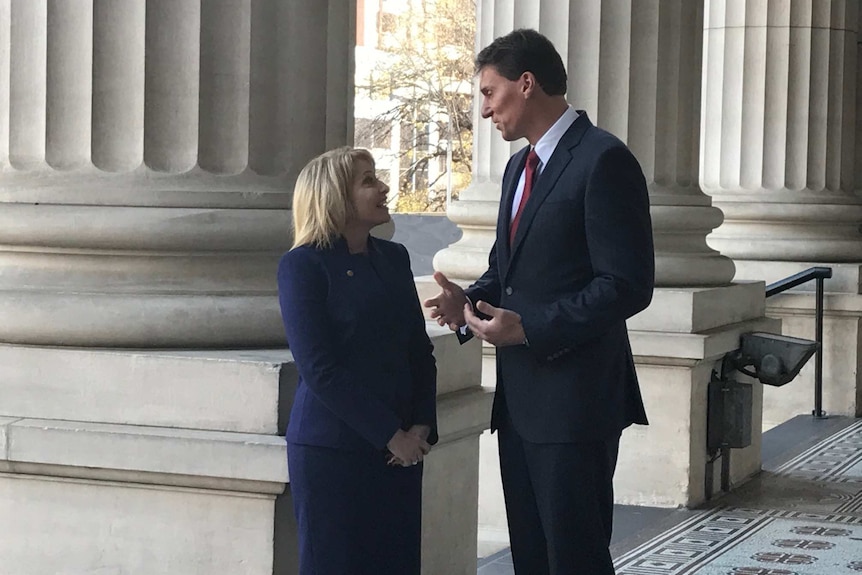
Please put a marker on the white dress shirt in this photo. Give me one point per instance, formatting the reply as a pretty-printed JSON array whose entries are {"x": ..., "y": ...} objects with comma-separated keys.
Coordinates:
[{"x": 545, "y": 149}]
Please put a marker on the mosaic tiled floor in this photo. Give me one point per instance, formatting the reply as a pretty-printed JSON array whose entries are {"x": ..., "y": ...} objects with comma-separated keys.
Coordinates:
[
  {"x": 752, "y": 542},
  {"x": 836, "y": 459},
  {"x": 802, "y": 517}
]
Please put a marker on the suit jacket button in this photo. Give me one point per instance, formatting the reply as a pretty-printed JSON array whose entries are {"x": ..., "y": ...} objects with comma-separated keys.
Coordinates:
[{"x": 509, "y": 290}]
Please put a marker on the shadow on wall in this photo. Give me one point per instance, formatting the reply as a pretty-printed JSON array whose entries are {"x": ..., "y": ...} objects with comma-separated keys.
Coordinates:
[{"x": 424, "y": 235}]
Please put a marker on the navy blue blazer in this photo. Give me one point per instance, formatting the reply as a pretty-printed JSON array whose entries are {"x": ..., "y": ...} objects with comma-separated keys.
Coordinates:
[
  {"x": 580, "y": 264},
  {"x": 357, "y": 334}
]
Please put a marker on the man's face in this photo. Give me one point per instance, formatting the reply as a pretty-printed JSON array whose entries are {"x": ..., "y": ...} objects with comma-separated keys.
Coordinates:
[{"x": 503, "y": 101}]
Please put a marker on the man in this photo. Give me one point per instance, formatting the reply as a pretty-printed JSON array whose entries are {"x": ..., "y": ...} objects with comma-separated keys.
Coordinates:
[{"x": 572, "y": 260}]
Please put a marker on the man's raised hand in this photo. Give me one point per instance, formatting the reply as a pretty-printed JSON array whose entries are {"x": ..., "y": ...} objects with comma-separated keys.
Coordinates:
[{"x": 447, "y": 307}]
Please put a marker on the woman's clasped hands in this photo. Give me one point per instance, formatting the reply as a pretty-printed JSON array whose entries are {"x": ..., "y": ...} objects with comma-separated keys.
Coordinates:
[{"x": 409, "y": 447}]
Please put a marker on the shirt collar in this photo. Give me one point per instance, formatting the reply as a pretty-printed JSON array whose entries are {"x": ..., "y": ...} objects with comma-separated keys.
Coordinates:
[{"x": 548, "y": 142}]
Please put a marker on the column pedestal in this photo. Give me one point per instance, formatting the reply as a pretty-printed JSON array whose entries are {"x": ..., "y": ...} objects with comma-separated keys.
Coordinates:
[
  {"x": 677, "y": 342},
  {"x": 147, "y": 155},
  {"x": 175, "y": 462}
]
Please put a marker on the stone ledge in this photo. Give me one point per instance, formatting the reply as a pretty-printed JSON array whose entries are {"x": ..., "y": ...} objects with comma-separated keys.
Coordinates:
[
  {"x": 790, "y": 303},
  {"x": 4, "y": 442},
  {"x": 695, "y": 310},
  {"x": 211, "y": 390},
  {"x": 208, "y": 390},
  {"x": 464, "y": 413},
  {"x": 459, "y": 367},
  {"x": 136, "y": 454},
  {"x": 846, "y": 277},
  {"x": 695, "y": 346}
]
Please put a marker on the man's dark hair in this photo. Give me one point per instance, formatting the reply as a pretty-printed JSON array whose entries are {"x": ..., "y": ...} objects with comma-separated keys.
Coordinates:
[{"x": 522, "y": 51}]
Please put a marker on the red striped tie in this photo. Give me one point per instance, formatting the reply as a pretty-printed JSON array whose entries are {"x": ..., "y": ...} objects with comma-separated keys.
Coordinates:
[{"x": 529, "y": 175}]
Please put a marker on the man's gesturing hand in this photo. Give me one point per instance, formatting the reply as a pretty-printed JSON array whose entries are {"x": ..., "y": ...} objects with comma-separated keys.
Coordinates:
[
  {"x": 504, "y": 328},
  {"x": 448, "y": 305}
]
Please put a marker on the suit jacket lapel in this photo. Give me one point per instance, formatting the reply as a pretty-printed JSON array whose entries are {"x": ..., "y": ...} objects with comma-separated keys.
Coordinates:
[
  {"x": 510, "y": 185},
  {"x": 547, "y": 179}
]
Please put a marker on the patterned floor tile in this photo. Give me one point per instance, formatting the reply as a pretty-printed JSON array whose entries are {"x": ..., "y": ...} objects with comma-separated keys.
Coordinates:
[
  {"x": 836, "y": 459},
  {"x": 803, "y": 517},
  {"x": 752, "y": 542}
]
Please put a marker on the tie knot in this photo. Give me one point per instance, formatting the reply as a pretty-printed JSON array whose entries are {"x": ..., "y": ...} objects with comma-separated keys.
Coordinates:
[{"x": 532, "y": 160}]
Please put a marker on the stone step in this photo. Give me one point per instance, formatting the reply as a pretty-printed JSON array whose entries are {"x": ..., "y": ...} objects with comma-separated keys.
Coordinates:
[
  {"x": 136, "y": 454},
  {"x": 244, "y": 391}
]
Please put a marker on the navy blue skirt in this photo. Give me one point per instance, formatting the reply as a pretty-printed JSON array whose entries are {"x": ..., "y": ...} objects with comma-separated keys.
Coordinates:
[{"x": 356, "y": 515}]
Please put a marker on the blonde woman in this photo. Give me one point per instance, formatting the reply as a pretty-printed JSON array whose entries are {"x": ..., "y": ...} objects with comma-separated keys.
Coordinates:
[{"x": 364, "y": 415}]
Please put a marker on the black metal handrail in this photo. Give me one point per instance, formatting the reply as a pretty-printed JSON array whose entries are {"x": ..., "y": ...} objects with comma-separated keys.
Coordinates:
[{"x": 819, "y": 274}]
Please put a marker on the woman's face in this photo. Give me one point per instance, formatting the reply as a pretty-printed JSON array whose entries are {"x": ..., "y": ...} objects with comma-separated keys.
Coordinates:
[{"x": 368, "y": 196}]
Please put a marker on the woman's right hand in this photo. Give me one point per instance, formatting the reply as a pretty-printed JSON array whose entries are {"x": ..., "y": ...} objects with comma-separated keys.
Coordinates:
[{"x": 408, "y": 448}]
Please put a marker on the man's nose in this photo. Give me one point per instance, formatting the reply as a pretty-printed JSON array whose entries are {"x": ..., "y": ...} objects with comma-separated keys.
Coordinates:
[{"x": 486, "y": 111}]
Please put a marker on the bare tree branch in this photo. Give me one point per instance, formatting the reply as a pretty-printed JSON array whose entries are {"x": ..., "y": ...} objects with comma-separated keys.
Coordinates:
[{"x": 426, "y": 80}]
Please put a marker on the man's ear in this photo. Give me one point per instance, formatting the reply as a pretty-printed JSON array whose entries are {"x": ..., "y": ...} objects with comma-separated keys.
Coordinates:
[{"x": 528, "y": 84}]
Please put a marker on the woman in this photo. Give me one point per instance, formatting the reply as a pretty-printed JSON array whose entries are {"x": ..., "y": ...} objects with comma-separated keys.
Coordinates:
[{"x": 364, "y": 415}]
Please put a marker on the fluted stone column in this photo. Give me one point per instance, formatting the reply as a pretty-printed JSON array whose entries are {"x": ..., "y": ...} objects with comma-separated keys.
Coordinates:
[
  {"x": 475, "y": 211},
  {"x": 635, "y": 68},
  {"x": 779, "y": 115},
  {"x": 147, "y": 154},
  {"x": 779, "y": 156}
]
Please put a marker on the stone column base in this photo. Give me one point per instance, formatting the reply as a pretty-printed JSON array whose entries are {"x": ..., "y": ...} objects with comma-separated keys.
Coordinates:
[
  {"x": 677, "y": 343},
  {"x": 175, "y": 462},
  {"x": 842, "y": 338}
]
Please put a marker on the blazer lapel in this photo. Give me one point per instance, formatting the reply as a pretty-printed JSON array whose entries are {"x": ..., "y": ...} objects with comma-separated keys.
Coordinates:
[
  {"x": 547, "y": 179},
  {"x": 510, "y": 185}
]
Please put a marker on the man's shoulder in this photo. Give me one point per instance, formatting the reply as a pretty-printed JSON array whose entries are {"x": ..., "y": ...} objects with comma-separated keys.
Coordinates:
[{"x": 601, "y": 139}]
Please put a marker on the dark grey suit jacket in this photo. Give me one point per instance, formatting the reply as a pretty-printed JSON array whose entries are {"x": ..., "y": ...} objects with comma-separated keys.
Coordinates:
[{"x": 580, "y": 265}]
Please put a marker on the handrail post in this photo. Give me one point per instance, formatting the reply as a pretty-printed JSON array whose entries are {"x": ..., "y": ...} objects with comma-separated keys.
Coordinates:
[
  {"x": 819, "y": 274},
  {"x": 818, "y": 357}
]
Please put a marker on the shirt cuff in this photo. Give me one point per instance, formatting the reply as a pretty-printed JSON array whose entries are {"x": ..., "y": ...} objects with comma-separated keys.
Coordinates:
[{"x": 463, "y": 329}]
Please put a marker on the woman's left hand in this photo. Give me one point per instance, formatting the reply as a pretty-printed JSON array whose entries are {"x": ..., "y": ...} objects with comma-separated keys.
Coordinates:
[{"x": 421, "y": 431}]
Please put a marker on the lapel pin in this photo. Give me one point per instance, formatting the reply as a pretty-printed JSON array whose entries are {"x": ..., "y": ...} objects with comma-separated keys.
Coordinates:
[{"x": 350, "y": 273}]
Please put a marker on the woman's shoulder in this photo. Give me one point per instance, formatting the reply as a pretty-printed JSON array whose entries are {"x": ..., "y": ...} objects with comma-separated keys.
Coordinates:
[
  {"x": 388, "y": 246},
  {"x": 302, "y": 257}
]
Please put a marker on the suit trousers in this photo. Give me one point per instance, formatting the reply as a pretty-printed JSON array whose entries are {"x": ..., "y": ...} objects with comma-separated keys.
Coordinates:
[{"x": 559, "y": 503}]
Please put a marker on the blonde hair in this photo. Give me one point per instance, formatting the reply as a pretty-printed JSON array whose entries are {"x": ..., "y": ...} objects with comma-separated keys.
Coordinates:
[{"x": 321, "y": 196}]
